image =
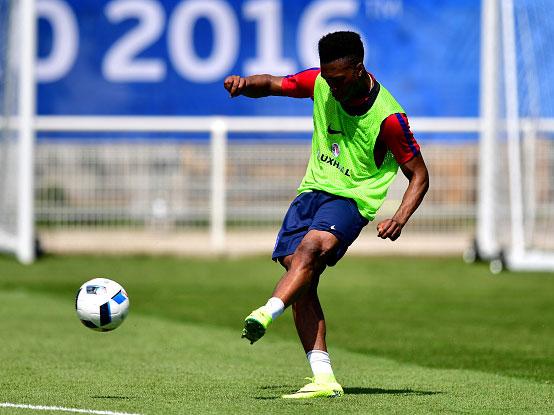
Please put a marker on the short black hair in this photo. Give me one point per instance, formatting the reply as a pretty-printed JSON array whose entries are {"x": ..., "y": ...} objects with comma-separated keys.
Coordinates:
[{"x": 341, "y": 45}]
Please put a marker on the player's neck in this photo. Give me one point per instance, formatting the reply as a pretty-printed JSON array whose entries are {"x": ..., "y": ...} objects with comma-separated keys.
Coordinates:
[{"x": 361, "y": 102}]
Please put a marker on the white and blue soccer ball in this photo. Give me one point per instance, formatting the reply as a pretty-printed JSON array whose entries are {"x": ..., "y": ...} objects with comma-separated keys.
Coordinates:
[{"x": 102, "y": 304}]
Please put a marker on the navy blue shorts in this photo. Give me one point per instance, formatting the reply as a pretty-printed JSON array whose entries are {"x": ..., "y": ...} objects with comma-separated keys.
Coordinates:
[{"x": 323, "y": 212}]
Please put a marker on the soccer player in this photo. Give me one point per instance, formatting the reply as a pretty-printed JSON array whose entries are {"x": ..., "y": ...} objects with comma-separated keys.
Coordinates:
[{"x": 361, "y": 136}]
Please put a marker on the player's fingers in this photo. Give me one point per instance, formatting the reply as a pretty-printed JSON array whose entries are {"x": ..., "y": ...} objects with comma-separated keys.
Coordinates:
[
  {"x": 392, "y": 230},
  {"x": 234, "y": 86},
  {"x": 386, "y": 229},
  {"x": 396, "y": 233},
  {"x": 228, "y": 82},
  {"x": 241, "y": 82},
  {"x": 237, "y": 86}
]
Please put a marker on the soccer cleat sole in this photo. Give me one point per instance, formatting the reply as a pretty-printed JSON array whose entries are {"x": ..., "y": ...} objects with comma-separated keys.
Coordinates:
[
  {"x": 313, "y": 395},
  {"x": 253, "y": 330}
]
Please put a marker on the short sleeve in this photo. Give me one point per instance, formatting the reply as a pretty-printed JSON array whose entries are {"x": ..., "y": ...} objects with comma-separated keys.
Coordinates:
[
  {"x": 396, "y": 134},
  {"x": 300, "y": 85}
]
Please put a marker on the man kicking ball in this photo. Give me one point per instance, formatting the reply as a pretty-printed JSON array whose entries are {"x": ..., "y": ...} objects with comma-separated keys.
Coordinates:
[{"x": 361, "y": 136}]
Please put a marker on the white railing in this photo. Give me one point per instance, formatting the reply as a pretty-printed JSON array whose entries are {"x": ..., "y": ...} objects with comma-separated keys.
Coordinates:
[
  {"x": 213, "y": 176},
  {"x": 218, "y": 128}
]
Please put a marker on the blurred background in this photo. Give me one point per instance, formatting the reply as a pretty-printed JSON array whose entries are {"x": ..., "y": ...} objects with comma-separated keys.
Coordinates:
[
  {"x": 119, "y": 142},
  {"x": 139, "y": 148}
]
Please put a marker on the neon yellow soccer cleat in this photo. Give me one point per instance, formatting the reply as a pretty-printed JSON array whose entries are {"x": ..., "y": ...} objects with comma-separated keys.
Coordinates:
[
  {"x": 317, "y": 389},
  {"x": 255, "y": 324}
]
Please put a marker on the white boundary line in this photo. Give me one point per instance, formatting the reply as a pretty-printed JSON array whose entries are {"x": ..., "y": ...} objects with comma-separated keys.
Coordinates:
[{"x": 61, "y": 409}]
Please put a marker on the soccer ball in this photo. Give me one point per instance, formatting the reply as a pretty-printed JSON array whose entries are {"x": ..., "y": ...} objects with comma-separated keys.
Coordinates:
[{"x": 101, "y": 304}]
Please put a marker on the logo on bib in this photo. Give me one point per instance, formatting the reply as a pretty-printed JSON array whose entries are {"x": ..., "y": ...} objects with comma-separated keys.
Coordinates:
[{"x": 335, "y": 149}]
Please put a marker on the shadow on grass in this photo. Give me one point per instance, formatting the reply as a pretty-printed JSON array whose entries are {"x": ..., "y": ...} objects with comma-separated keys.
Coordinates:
[
  {"x": 282, "y": 389},
  {"x": 379, "y": 391},
  {"x": 276, "y": 387},
  {"x": 279, "y": 389},
  {"x": 351, "y": 391}
]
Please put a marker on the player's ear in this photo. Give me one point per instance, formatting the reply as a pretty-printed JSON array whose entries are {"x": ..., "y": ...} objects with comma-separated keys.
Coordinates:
[{"x": 360, "y": 69}]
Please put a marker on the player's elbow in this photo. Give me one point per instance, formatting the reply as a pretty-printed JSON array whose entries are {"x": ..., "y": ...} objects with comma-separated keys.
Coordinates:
[{"x": 424, "y": 181}]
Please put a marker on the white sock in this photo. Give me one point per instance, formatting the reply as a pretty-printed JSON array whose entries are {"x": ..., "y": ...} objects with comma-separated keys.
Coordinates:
[
  {"x": 275, "y": 307},
  {"x": 321, "y": 365}
]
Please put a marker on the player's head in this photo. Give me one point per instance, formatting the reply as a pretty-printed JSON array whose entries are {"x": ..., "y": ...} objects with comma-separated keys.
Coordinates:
[
  {"x": 341, "y": 56},
  {"x": 341, "y": 45}
]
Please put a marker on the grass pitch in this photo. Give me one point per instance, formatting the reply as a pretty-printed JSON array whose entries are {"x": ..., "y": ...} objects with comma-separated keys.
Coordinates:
[{"x": 405, "y": 335}]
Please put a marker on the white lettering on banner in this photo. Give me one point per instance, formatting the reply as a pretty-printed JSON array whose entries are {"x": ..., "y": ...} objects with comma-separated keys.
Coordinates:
[
  {"x": 384, "y": 9},
  {"x": 315, "y": 23},
  {"x": 269, "y": 40},
  {"x": 120, "y": 62},
  {"x": 225, "y": 40},
  {"x": 124, "y": 62},
  {"x": 65, "y": 38}
]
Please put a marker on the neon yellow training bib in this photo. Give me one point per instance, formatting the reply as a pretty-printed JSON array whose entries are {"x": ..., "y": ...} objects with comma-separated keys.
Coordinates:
[{"x": 342, "y": 161}]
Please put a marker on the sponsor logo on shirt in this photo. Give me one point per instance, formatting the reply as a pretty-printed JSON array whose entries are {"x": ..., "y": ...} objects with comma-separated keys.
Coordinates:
[{"x": 329, "y": 160}]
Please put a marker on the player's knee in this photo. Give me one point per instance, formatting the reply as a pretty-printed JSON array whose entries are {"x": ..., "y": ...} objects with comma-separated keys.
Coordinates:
[
  {"x": 307, "y": 253},
  {"x": 286, "y": 261},
  {"x": 314, "y": 251}
]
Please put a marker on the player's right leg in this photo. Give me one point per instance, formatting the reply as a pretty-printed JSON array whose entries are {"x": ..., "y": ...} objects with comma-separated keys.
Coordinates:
[
  {"x": 256, "y": 323},
  {"x": 295, "y": 226},
  {"x": 316, "y": 231},
  {"x": 306, "y": 264}
]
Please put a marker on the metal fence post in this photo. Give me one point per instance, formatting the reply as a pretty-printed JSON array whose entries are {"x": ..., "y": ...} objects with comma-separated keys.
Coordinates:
[
  {"x": 218, "y": 151},
  {"x": 26, "y": 129}
]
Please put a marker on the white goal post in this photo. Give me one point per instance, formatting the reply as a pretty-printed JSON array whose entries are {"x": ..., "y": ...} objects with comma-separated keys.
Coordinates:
[
  {"x": 515, "y": 217},
  {"x": 18, "y": 93}
]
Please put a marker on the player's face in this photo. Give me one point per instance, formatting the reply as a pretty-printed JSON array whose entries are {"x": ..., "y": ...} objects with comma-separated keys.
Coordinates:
[{"x": 343, "y": 77}]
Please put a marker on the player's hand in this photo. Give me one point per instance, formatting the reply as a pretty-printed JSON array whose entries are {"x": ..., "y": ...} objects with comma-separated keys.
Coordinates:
[
  {"x": 389, "y": 228},
  {"x": 234, "y": 84}
]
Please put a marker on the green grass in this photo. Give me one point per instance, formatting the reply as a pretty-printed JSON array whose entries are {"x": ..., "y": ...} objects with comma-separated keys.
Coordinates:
[{"x": 405, "y": 335}]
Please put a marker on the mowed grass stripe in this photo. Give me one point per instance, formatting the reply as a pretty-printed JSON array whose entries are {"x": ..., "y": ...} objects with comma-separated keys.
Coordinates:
[
  {"x": 435, "y": 312},
  {"x": 152, "y": 365}
]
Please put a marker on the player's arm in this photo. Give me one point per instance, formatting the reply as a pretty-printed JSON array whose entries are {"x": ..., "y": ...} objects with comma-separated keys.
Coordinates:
[
  {"x": 255, "y": 86},
  {"x": 299, "y": 85},
  {"x": 396, "y": 134},
  {"x": 418, "y": 176}
]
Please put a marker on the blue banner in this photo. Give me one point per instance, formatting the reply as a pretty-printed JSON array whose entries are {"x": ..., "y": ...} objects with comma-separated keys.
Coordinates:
[{"x": 154, "y": 57}]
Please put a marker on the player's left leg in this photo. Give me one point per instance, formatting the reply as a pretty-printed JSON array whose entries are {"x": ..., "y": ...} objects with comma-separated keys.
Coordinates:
[{"x": 310, "y": 325}]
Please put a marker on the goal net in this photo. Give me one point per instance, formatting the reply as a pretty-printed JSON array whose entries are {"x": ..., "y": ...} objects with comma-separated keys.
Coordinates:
[
  {"x": 519, "y": 211},
  {"x": 17, "y": 22}
]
